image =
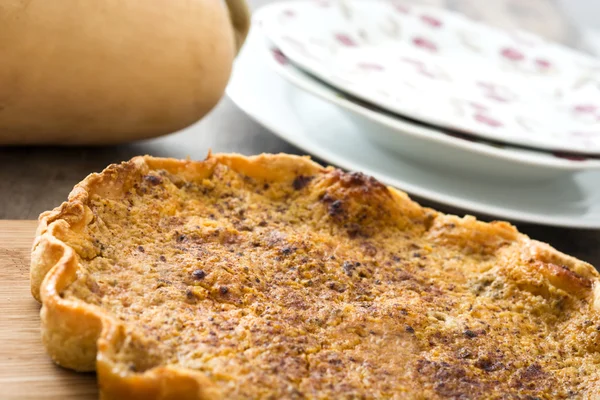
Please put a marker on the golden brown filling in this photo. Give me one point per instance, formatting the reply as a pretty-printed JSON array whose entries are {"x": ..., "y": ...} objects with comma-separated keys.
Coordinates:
[{"x": 331, "y": 286}]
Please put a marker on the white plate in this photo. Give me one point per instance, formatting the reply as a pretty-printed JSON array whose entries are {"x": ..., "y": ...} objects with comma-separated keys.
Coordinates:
[
  {"x": 321, "y": 129},
  {"x": 425, "y": 145},
  {"x": 442, "y": 68}
]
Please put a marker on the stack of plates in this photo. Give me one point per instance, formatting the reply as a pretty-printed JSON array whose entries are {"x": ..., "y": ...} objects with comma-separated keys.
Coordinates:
[{"x": 426, "y": 100}]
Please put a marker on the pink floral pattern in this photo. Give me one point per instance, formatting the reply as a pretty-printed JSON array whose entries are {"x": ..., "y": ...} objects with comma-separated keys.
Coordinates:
[
  {"x": 478, "y": 106},
  {"x": 345, "y": 40},
  {"x": 542, "y": 63},
  {"x": 496, "y": 92},
  {"x": 585, "y": 108},
  {"x": 424, "y": 43},
  {"x": 279, "y": 56},
  {"x": 400, "y": 7},
  {"x": 413, "y": 61},
  {"x": 429, "y": 71},
  {"x": 489, "y": 121},
  {"x": 512, "y": 54},
  {"x": 431, "y": 21},
  {"x": 496, "y": 97},
  {"x": 425, "y": 72},
  {"x": 369, "y": 66}
]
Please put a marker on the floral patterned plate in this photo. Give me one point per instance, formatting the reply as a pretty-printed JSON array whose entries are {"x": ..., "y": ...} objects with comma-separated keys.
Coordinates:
[
  {"x": 426, "y": 145},
  {"x": 441, "y": 68}
]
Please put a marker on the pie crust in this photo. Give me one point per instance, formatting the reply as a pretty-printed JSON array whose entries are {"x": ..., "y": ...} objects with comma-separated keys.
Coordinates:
[{"x": 274, "y": 277}]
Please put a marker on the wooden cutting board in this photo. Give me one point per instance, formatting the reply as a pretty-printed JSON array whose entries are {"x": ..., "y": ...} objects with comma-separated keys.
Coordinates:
[{"x": 26, "y": 372}]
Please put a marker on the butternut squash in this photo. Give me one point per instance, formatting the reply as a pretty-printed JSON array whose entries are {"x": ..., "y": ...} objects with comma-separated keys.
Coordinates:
[{"x": 111, "y": 71}]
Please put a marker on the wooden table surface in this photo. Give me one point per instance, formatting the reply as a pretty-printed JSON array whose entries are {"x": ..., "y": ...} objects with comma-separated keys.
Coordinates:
[
  {"x": 36, "y": 179},
  {"x": 26, "y": 371}
]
